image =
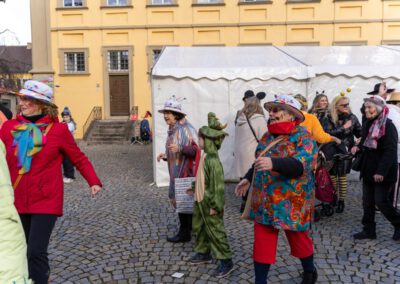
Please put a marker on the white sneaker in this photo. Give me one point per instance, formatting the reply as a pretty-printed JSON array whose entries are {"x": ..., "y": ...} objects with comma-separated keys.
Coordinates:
[{"x": 67, "y": 180}]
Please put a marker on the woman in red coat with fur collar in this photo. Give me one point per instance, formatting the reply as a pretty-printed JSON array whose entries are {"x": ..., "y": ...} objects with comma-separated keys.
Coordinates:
[{"x": 35, "y": 147}]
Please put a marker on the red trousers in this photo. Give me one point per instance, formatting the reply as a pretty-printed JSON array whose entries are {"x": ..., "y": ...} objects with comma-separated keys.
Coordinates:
[{"x": 266, "y": 242}]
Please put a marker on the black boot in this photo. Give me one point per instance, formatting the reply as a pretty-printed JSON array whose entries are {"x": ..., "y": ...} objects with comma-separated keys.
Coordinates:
[
  {"x": 340, "y": 207},
  {"x": 365, "y": 234},
  {"x": 199, "y": 258},
  {"x": 181, "y": 237},
  {"x": 185, "y": 229},
  {"x": 310, "y": 277},
  {"x": 224, "y": 268}
]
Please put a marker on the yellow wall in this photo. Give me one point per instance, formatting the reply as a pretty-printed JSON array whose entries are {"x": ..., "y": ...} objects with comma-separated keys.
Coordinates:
[{"x": 275, "y": 22}]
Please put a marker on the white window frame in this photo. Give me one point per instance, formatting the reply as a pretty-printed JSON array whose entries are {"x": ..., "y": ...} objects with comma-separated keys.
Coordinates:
[
  {"x": 118, "y": 3},
  {"x": 75, "y": 62},
  {"x": 209, "y": 1},
  {"x": 162, "y": 2},
  {"x": 252, "y": 1},
  {"x": 119, "y": 61},
  {"x": 73, "y": 2}
]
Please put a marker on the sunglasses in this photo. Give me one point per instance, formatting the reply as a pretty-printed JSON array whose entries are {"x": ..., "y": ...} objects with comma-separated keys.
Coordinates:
[
  {"x": 274, "y": 109},
  {"x": 344, "y": 105}
]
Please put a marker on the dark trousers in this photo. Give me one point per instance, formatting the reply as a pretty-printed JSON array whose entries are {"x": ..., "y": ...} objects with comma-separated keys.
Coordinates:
[
  {"x": 378, "y": 194},
  {"x": 68, "y": 168},
  {"x": 38, "y": 228},
  {"x": 186, "y": 223}
]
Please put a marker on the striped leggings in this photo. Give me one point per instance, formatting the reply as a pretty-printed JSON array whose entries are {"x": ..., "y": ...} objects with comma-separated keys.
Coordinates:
[{"x": 340, "y": 183}]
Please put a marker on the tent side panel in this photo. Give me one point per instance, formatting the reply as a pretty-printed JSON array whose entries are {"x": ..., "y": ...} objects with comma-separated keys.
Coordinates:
[{"x": 201, "y": 96}]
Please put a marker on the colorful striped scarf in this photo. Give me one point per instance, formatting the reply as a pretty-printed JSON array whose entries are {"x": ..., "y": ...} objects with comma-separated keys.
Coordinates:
[
  {"x": 28, "y": 141},
  {"x": 181, "y": 134}
]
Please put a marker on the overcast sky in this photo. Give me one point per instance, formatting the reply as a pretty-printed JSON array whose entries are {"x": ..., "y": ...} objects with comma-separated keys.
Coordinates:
[{"x": 15, "y": 16}]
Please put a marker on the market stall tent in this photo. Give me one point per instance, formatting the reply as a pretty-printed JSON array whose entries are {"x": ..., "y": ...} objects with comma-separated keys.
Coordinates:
[{"x": 214, "y": 79}]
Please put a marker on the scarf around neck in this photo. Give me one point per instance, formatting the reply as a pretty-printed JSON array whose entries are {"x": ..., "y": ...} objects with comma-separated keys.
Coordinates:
[
  {"x": 284, "y": 127},
  {"x": 377, "y": 129},
  {"x": 28, "y": 141}
]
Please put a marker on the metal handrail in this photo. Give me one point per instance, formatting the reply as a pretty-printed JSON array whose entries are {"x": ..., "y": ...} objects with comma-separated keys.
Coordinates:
[{"x": 95, "y": 114}]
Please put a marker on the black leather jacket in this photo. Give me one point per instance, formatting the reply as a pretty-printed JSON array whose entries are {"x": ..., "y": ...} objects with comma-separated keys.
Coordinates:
[{"x": 347, "y": 135}]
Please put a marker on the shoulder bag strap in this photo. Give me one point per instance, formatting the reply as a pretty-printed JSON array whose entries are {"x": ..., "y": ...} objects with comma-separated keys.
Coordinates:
[{"x": 252, "y": 130}]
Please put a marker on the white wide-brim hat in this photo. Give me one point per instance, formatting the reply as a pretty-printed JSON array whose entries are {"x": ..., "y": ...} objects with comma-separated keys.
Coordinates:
[
  {"x": 37, "y": 90},
  {"x": 288, "y": 103},
  {"x": 172, "y": 105}
]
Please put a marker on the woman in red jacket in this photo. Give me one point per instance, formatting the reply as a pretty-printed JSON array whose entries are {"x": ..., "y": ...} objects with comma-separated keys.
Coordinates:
[{"x": 35, "y": 147}]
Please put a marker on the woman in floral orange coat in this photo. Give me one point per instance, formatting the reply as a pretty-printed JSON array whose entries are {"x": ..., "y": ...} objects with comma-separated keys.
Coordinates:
[{"x": 283, "y": 188}]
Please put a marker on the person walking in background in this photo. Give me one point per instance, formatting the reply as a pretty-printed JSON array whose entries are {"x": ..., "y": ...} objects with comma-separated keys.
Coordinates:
[
  {"x": 382, "y": 91},
  {"x": 394, "y": 106},
  {"x": 208, "y": 213},
  {"x": 312, "y": 124},
  {"x": 145, "y": 130},
  {"x": 346, "y": 128},
  {"x": 320, "y": 108},
  {"x": 180, "y": 154},
  {"x": 378, "y": 169},
  {"x": 283, "y": 187},
  {"x": 36, "y": 144},
  {"x": 247, "y": 94},
  {"x": 68, "y": 167},
  {"x": 13, "y": 262},
  {"x": 250, "y": 126}
]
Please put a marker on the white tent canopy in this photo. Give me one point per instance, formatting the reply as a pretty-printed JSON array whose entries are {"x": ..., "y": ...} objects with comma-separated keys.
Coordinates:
[
  {"x": 229, "y": 63},
  {"x": 392, "y": 47},
  {"x": 351, "y": 61},
  {"x": 356, "y": 67},
  {"x": 215, "y": 78}
]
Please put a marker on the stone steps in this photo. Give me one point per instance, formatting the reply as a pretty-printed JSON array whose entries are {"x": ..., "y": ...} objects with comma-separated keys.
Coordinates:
[{"x": 109, "y": 132}]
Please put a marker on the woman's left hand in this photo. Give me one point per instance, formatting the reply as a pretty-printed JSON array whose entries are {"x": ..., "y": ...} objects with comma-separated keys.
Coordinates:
[
  {"x": 263, "y": 164},
  {"x": 378, "y": 178},
  {"x": 173, "y": 148},
  {"x": 354, "y": 150},
  {"x": 94, "y": 190}
]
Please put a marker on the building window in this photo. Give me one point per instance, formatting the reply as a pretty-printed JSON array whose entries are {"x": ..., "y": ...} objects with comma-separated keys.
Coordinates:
[
  {"x": 153, "y": 53},
  {"x": 117, "y": 2},
  {"x": 255, "y": 2},
  {"x": 118, "y": 60},
  {"x": 209, "y": 1},
  {"x": 303, "y": 1},
  {"x": 156, "y": 54},
  {"x": 74, "y": 62},
  {"x": 73, "y": 3},
  {"x": 162, "y": 2}
]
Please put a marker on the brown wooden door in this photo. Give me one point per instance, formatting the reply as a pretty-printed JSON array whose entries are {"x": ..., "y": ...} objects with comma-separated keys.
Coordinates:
[{"x": 119, "y": 95}]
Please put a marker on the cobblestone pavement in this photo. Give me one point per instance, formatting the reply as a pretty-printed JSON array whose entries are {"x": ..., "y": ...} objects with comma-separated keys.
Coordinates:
[{"x": 119, "y": 237}]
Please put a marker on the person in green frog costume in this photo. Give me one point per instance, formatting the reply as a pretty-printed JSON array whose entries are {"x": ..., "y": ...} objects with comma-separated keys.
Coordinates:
[{"x": 208, "y": 212}]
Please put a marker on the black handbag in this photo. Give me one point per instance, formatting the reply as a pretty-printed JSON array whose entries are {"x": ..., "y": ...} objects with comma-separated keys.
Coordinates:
[{"x": 356, "y": 165}]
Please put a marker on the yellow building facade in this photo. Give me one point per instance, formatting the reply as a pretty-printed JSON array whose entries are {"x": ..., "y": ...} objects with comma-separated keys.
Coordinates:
[{"x": 100, "y": 52}]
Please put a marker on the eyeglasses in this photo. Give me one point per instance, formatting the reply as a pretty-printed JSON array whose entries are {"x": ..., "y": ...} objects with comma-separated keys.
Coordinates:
[
  {"x": 274, "y": 110},
  {"x": 344, "y": 105}
]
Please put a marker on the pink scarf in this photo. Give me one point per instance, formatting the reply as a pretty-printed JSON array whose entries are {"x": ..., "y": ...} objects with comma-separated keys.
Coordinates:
[{"x": 377, "y": 129}]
